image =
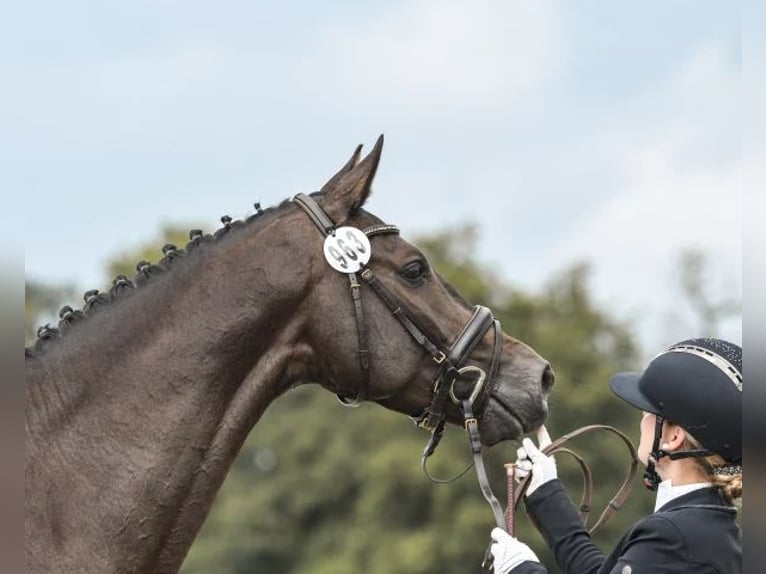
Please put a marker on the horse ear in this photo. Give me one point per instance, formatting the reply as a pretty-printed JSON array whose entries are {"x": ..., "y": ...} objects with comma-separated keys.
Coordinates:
[
  {"x": 350, "y": 164},
  {"x": 353, "y": 187}
]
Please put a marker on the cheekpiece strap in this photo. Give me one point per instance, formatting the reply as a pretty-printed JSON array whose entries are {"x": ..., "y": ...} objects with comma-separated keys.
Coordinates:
[{"x": 316, "y": 213}]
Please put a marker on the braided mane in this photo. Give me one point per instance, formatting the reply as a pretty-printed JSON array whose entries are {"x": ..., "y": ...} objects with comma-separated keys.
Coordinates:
[{"x": 123, "y": 287}]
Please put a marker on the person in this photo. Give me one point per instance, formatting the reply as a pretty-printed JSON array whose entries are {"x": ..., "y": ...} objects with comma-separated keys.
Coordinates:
[{"x": 691, "y": 444}]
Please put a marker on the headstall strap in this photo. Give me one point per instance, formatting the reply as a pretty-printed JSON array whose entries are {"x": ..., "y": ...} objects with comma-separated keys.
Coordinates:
[
  {"x": 361, "y": 327},
  {"x": 472, "y": 428},
  {"x": 316, "y": 213},
  {"x": 327, "y": 227},
  {"x": 397, "y": 309}
]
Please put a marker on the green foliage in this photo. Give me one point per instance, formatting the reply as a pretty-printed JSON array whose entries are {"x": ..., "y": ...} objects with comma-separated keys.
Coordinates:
[
  {"x": 346, "y": 493},
  {"x": 151, "y": 251},
  {"x": 695, "y": 280}
]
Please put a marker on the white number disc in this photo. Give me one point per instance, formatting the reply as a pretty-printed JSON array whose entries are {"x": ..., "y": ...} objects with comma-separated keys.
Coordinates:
[{"x": 347, "y": 250}]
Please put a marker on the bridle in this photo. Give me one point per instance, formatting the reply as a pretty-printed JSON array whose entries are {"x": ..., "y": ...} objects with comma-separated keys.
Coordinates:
[{"x": 451, "y": 362}]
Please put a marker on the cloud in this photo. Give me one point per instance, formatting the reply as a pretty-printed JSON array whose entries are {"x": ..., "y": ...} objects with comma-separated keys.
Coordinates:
[
  {"x": 678, "y": 187},
  {"x": 439, "y": 55},
  {"x": 99, "y": 103}
]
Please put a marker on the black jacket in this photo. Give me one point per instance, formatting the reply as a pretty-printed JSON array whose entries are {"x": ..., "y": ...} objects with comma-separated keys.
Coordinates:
[{"x": 694, "y": 533}]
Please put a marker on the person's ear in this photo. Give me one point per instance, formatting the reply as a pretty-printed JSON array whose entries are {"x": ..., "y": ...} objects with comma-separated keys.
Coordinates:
[{"x": 674, "y": 438}]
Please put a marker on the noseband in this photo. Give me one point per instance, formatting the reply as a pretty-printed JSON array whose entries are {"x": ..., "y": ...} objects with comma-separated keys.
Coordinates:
[{"x": 451, "y": 362}]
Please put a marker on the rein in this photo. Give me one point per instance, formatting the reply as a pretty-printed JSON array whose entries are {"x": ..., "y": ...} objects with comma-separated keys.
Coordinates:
[
  {"x": 516, "y": 491},
  {"x": 617, "y": 500}
]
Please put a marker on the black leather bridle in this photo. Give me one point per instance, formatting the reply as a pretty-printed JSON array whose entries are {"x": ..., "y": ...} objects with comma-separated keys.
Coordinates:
[{"x": 451, "y": 363}]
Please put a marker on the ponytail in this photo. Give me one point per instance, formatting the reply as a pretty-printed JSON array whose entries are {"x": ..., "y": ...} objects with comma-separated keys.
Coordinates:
[{"x": 727, "y": 478}]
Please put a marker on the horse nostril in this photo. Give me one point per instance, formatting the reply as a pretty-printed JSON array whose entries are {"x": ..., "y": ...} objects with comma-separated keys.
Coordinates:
[{"x": 548, "y": 378}]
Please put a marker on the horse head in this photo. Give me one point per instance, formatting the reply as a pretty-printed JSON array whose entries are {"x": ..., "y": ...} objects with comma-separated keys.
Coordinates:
[{"x": 364, "y": 350}]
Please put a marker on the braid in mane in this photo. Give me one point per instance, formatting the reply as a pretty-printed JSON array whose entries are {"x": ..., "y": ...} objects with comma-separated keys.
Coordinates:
[
  {"x": 121, "y": 286},
  {"x": 258, "y": 211},
  {"x": 45, "y": 336},
  {"x": 171, "y": 254},
  {"x": 228, "y": 225},
  {"x": 196, "y": 238},
  {"x": 145, "y": 271},
  {"x": 94, "y": 300},
  {"x": 226, "y": 220},
  {"x": 68, "y": 317}
]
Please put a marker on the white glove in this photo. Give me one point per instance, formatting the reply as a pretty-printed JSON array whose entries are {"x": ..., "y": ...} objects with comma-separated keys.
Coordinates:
[
  {"x": 531, "y": 459},
  {"x": 508, "y": 553}
]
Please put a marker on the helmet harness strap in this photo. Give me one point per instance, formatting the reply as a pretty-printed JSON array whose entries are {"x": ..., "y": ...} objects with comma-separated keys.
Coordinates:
[{"x": 651, "y": 477}]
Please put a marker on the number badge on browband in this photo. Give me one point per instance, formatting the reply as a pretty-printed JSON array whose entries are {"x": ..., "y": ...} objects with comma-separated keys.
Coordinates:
[{"x": 347, "y": 249}]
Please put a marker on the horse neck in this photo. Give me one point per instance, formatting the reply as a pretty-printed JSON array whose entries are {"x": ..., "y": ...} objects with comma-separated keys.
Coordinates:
[{"x": 146, "y": 407}]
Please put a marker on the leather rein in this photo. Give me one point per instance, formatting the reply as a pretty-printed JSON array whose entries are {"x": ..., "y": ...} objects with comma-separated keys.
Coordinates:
[
  {"x": 557, "y": 446},
  {"x": 516, "y": 491},
  {"x": 451, "y": 368}
]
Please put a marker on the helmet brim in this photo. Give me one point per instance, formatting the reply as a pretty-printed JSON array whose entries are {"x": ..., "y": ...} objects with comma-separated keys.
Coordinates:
[{"x": 625, "y": 386}]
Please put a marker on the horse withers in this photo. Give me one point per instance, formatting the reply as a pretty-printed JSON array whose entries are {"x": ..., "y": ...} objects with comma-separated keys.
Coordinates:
[{"x": 137, "y": 405}]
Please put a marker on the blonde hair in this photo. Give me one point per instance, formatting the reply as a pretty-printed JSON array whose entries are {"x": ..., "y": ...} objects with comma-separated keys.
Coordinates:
[{"x": 727, "y": 478}]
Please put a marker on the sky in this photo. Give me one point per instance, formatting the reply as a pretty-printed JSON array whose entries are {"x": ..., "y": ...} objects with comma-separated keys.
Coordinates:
[{"x": 608, "y": 132}]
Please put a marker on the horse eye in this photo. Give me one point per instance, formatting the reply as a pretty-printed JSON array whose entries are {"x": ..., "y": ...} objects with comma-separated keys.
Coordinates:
[{"x": 414, "y": 272}]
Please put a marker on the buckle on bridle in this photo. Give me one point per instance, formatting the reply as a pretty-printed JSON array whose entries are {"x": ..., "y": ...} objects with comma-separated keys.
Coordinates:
[
  {"x": 476, "y": 388},
  {"x": 424, "y": 424},
  {"x": 439, "y": 358}
]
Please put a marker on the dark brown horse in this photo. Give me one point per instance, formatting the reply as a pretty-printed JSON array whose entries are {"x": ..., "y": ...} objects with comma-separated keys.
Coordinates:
[{"x": 137, "y": 406}]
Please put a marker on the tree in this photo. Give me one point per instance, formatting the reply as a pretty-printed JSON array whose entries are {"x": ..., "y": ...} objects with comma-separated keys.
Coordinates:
[
  {"x": 695, "y": 283},
  {"x": 125, "y": 262}
]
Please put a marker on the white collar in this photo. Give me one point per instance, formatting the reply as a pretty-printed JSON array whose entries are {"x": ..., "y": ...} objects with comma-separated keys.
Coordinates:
[{"x": 667, "y": 492}]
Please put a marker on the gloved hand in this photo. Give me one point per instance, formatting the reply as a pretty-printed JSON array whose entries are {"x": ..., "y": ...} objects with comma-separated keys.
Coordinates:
[
  {"x": 508, "y": 552},
  {"x": 530, "y": 459}
]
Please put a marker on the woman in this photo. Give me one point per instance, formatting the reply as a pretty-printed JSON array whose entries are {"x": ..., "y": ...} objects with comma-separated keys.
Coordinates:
[{"x": 691, "y": 444}]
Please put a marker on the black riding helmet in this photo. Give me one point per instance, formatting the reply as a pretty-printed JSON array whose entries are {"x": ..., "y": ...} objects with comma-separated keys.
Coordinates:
[{"x": 696, "y": 384}]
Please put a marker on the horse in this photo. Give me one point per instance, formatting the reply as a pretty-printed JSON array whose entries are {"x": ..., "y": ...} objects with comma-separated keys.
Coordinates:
[{"x": 137, "y": 405}]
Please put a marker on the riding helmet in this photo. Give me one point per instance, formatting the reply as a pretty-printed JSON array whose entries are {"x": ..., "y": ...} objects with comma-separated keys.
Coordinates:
[{"x": 696, "y": 384}]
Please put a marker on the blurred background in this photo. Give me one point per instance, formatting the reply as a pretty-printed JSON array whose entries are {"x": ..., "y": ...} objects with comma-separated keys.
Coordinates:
[{"x": 578, "y": 169}]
